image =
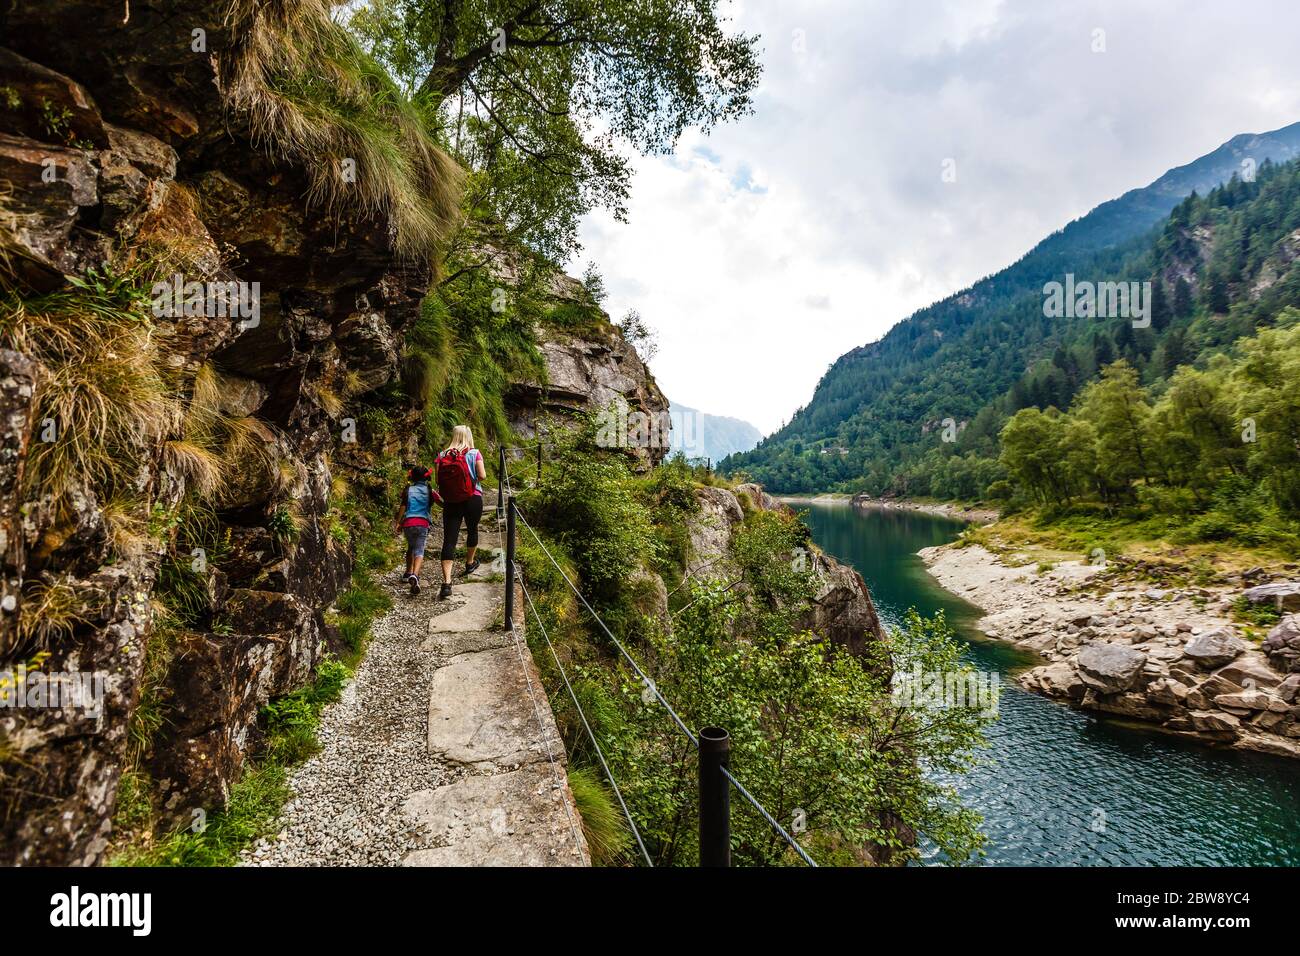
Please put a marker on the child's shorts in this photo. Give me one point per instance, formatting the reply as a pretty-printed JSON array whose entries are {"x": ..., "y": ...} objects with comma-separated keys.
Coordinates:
[{"x": 415, "y": 538}]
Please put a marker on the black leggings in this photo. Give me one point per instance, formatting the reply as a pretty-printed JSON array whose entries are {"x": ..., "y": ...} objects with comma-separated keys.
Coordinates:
[{"x": 452, "y": 514}]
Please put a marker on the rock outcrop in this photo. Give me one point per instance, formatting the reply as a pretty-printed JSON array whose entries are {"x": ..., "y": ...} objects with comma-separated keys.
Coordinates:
[
  {"x": 1283, "y": 645},
  {"x": 597, "y": 373},
  {"x": 842, "y": 609},
  {"x": 600, "y": 375},
  {"x": 1282, "y": 595},
  {"x": 116, "y": 133}
]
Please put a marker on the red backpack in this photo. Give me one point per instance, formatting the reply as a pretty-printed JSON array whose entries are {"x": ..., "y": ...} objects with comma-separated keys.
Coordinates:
[{"x": 455, "y": 483}]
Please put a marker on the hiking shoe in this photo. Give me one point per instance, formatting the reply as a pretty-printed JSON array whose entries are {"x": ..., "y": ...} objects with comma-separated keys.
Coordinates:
[
  {"x": 415, "y": 584},
  {"x": 444, "y": 592},
  {"x": 471, "y": 568}
]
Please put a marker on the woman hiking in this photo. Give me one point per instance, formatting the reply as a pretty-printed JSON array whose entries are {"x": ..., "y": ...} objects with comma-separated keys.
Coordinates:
[
  {"x": 414, "y": 517},
  {"x": 460, "y": 471}
]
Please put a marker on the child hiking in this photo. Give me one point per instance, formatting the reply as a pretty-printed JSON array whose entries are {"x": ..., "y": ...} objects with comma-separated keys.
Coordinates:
[
  {"x": 460, "y": 471},
  {"x": 414, "y": 518}
]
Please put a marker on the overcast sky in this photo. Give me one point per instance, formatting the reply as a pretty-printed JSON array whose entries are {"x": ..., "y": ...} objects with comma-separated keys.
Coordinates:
[{"x": 763, "y": 252}]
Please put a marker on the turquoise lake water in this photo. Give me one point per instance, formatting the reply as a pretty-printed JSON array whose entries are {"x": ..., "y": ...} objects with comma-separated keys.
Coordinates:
[{"x": 1059, "y": 787}]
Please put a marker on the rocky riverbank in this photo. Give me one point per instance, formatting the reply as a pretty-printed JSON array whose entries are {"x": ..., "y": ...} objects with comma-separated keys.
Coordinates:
[
  {"x": 1169, "y": 657},
  {"x": 827, "y": 499},
  {"x": 943, "y": 509}
]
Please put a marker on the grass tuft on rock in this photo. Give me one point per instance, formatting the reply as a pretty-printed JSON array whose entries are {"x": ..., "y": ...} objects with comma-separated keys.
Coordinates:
[{"x": 314, "y": 97}]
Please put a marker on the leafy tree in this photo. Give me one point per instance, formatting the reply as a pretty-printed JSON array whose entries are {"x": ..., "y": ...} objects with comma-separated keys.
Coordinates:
[
  {"x": 813, "y": 729},
  {"x": 1033, "y": 449},
  {"x": 1103, "y": 350},
  {"x": 539, "y": 94},
  {"x": 1196, "y": 433},
  {"x": 1216, "y": 292},
  {"x": 1182, "y": 298},
  {"x": 1174, "y": 352},
  {"x": 1117, "y": 407},
  {"x": 1161, "y": 310},
  {"x": 1268, "y": 396}
]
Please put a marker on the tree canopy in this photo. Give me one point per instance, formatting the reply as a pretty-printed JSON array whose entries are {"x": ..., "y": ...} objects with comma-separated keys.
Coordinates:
[{"x": 544, "y": 97}]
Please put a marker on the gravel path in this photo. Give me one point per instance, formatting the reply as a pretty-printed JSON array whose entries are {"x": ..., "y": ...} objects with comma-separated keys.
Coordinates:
[
  {"x": 347, "y": 804},
  {"x": 442, "y": 750}
]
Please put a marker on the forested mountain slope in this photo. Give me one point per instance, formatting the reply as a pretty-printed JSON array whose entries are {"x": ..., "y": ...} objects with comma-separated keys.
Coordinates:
[{"x": 876, "y": 420}]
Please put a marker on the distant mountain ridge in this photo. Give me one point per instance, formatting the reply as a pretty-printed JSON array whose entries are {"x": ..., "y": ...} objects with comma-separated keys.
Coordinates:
[
  {"x": 878, "y": 406},
  {"x": 1137, "y": 210},
  {"x": 698, "y": 434}
]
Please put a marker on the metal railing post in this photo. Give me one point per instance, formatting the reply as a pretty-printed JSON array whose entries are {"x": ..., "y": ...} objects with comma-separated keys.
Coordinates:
[
  {"x": 501, "y": 480},
  {"x": 715, "y": 797},
  {"x": 510, "y": 563},
  {"x": 539, "y": 461}
]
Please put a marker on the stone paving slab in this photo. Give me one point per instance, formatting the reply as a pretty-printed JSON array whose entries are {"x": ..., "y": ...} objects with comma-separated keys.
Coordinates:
[
  {"x": 481, "y": 712},
  {"x": 454, "y": 643},
  {"x": 518, "y": 818},
  {"x": 477, "y": 612}
]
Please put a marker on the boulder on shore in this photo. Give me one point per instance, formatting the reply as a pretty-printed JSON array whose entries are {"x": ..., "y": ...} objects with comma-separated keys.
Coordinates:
[
  {"x": 1283, "y": 644},
  {"x": 1214, "y": 648},
  {"x": 1283, "y": 595},
  {"x": 1110, "y": 668}
]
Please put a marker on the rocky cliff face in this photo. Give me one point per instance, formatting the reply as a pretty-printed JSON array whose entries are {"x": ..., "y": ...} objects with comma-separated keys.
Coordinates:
[
  {"x": 842, "y": 611},
  {"x": 598, "y": 373},
  {"x": 116, "y": 135}
]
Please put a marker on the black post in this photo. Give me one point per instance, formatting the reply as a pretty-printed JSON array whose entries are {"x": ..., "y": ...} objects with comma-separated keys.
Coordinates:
[
  {"x": 510, "y": 563},
  {"x": 715, "y": 797},
  {"x": 539, "y": 461},
  {"x": 501, "y": 480}
]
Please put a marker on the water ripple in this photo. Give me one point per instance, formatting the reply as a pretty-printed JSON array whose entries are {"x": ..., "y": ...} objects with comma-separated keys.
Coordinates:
[{"x": 1062, "y": 788}]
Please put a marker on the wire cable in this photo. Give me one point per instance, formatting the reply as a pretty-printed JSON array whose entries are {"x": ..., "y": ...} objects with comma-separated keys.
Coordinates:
[
  {"x": 610, "y": 634},
  {"x": 749, "y": 798},
  {"x": 768, "y": 817},
  {"x": 590, "y": 734}
]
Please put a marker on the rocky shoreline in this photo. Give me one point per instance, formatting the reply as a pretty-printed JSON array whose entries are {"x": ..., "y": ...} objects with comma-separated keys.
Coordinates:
[
  {"x": 941, "y": 508},
  {"x": 826, "y": 499},
  {"x": 1169, "y": 658}
]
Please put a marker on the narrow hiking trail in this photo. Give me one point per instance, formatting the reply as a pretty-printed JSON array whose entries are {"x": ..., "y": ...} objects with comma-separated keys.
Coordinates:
[{"x": 443, "y": 750}]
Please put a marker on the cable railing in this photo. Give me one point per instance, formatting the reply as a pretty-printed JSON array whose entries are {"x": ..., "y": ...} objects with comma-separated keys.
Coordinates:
[{"x": 713, "y": 744}]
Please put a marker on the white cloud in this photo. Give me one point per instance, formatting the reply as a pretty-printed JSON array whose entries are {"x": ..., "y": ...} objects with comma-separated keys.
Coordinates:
[{"x": 764, "y": 252}]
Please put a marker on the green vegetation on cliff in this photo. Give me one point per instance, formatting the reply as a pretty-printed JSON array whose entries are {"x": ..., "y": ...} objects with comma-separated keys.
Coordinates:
[{"x": 816, "y": 736}]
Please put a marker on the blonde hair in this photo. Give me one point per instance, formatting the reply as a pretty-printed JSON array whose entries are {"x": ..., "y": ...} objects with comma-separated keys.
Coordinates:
[{"x": 462, "y": 439}]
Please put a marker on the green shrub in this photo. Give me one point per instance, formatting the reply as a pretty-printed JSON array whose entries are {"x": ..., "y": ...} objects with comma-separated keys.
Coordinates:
[
  {"x": 1263, "y": 615},
  {"x": 588, "y": 502},
  {"x": 282, "y": 524}
]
